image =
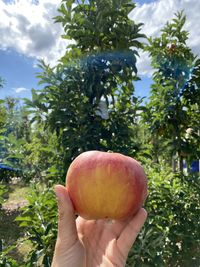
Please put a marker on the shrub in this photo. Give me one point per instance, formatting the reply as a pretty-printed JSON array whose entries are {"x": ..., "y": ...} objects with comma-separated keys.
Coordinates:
[
  {"x": 170, "y": 236},
  {"x": 39, "y": 218}
]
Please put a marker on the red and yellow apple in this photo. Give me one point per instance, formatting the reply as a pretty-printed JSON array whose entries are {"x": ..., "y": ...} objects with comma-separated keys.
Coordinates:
[{"x": 106, "y": 185}]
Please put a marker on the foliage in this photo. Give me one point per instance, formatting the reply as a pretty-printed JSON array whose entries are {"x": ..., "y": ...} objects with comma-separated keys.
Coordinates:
[
  {"x": 14, "y": 134},
  {"x": 174, "y": 100},
  {"x": 5, "y": 260},
  {"x": 89, "y": 102},
  {"x": 96, "y": 26},
  {"x": 21, "y": 145},
  {"x": 170, "y": 236},
  {"x": 39, "y": 219},
  {"x": 3, "y": 191},
  {"x": 6, "y": 175},
  {"x": 3, "y": 119},
  {"x": 51, "y": 167},
  {"x": 29, "y": 155}
]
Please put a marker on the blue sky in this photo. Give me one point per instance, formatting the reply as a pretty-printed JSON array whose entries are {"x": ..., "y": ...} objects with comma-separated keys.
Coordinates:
[
  {"x": 27, "y": 34},
  {"x": 19, "y": 73}
]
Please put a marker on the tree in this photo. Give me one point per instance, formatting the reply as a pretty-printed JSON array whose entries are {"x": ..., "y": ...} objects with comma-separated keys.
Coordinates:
[
  {"x": 15, "y": 132},
  {"x": 88, "y": 98},
  {"x": 3, "y": 116},
  {"x": 2, "y": 108},
  {"x": 174, "y": 99}
]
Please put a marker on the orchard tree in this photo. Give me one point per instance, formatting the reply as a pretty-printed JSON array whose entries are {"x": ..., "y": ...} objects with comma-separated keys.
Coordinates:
[
  {"x": 3, "y": 116},
  {"x": 2, "y": 108},
  {"x": 174, "y": 100},
  {"x": 15, "y": 130},
  {"x": 88, "y": 98}
]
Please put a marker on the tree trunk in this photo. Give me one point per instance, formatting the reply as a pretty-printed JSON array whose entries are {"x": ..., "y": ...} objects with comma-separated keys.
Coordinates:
[
  {"x": 174, "y": 164},
  {"x": 181, "y": 163}
]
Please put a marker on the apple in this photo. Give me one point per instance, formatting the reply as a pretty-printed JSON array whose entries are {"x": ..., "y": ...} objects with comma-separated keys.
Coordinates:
[{"x": 106, "y": 185}]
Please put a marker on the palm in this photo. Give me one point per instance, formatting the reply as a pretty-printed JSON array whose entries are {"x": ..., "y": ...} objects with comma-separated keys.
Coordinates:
[{"x": 106, "y": 243}]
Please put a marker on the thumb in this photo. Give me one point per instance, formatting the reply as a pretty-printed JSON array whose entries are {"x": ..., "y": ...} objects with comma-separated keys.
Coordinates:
[{"x": 67, "y": 232}]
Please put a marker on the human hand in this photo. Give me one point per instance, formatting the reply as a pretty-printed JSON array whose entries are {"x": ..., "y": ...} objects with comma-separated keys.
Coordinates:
[{"x": 92, "y": 243}]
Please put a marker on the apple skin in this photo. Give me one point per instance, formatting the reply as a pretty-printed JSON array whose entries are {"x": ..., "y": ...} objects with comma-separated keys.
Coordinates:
[{"x": 106, "y": 185}]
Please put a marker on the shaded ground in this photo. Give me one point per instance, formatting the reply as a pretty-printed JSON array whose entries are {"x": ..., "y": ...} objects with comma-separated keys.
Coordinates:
[{"x": 10, "y": 232}]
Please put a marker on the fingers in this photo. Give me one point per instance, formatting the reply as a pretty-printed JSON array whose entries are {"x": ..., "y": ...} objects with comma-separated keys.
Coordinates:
[
  {"x": 67, "y": 232},
  {"x": 131, "y": 231}
]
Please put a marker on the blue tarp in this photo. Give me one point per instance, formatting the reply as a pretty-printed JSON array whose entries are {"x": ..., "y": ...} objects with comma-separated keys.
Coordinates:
[
  {"x": 5, "y": 167},
  {"x": 195, "y": 166}
]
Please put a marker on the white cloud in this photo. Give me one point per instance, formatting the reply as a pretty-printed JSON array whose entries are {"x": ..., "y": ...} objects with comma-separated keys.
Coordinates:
[
  {"x": 155, "y": 15},
  {"x": 27, "y": 26},
  {"x": 144, "y": 64},
  {"x": 20, "y": 89},
  {"x": 29, "y": 29}
]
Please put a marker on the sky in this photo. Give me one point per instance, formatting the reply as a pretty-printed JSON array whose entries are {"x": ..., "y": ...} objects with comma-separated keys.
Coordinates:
[{"x": 28, "y": 34}]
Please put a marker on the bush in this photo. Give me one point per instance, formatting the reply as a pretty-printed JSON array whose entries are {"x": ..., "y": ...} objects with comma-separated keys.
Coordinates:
[
  {"x": 39, "y": 218},
  {"x": 5, "y": 260},
  {"x": 7, "y": 174},
  {"x": 170, "y": 236}
]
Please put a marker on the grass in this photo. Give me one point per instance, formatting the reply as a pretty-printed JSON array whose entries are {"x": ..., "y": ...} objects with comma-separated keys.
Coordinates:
[
  {"x": 23, "y": 248},
  {"x": 16, "y": 196}
]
